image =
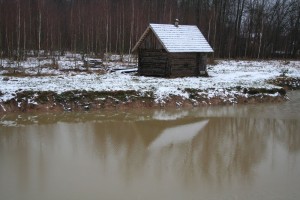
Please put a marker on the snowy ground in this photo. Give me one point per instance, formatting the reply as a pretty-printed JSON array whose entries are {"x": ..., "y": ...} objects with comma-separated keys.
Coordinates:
[{"x": 224, "y": 78}]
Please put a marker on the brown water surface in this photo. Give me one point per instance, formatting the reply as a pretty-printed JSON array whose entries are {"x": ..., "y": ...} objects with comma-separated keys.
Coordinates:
[{"x": 236, "y": 152}]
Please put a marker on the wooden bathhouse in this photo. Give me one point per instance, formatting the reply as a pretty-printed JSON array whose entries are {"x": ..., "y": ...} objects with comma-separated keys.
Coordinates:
[{"x": 172, "y": 51}]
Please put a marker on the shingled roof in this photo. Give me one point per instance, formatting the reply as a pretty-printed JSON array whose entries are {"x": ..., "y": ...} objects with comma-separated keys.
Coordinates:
[{"x": 184, "y": 38}]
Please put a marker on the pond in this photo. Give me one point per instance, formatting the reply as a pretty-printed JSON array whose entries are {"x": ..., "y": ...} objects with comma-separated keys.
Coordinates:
[{"x": 226, "y": 152}]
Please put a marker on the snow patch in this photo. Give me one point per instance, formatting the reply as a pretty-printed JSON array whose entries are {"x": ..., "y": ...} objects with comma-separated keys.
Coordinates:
[{"x": 224, "y": 75}]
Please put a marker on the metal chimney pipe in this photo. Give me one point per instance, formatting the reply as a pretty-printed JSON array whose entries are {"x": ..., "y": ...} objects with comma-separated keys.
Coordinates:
[{"x": 176, "y": 22}]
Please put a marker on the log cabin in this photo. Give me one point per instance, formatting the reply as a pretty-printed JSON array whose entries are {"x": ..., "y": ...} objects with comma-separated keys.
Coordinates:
[{"x": 172, "y": 50}]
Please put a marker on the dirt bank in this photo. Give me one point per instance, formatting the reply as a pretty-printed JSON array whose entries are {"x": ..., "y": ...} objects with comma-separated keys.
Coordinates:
[
  {"x": 48, "y": 101},
  {"x": 290, "y": 83}
]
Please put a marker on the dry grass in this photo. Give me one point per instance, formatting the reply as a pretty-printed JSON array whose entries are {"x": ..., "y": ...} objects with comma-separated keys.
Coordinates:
[{"x": 24, "y": 74}]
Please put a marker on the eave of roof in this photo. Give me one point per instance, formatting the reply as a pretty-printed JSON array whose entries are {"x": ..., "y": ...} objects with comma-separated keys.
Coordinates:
[{"x": 136, "y": 46}]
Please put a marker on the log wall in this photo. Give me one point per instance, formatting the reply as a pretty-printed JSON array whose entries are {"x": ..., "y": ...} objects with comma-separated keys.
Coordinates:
[
  {"x": 153, "y": 62},
  {"x": 183, "y": 64},
  {"x": 202, "y": 59},
  {"x": 160, "y": 63}
]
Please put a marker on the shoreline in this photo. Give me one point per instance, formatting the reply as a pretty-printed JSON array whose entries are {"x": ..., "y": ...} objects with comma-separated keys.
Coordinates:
[
  {"x": 72, "y": 87},
  {"x": 77, "y": 101}
]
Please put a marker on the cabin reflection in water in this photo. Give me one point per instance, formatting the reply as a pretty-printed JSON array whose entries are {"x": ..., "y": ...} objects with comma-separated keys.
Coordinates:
[
  {"x": 177, "y": 135},
  {"x": 220, "y": 147}
]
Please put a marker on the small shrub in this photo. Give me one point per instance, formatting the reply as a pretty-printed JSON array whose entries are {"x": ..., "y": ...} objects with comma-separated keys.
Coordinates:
[
  {"x": 283, "y": 72},
  {"x": 254, "y": 91},
  {"x": 193, "y": 93}
]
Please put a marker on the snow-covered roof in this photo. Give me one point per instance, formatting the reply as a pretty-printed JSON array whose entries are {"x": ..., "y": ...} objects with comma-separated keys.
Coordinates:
[{"x": 184, "y": 38}]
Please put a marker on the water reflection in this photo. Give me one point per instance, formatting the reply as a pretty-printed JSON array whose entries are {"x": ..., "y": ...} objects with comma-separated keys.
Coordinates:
[
  {"x": 177, "y": 135},
  {"x": 149, "y": 156},
  {"x": 242, "y": 152}
]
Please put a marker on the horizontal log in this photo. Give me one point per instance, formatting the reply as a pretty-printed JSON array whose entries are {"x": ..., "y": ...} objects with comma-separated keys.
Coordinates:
[
  {"x": 153, "y": 60},
  {"x": 154, "y": 57},
  {"x": 182, "y": 56},
  {"x": 189, "y": 68},
  {"x": 152, "y": 72},
  {"x": 152, "y": 65},
  {"x": 152, "y": 50},
  {"x": 183, "y": 74},
  {"x": 153, "y": 54},
  {"x": 183, "y": 67},
  {"x": 184, "y": 62}
]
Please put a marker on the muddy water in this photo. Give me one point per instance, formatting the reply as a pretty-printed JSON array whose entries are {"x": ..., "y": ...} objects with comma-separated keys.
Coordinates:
[{"x": 241, "y": 152}]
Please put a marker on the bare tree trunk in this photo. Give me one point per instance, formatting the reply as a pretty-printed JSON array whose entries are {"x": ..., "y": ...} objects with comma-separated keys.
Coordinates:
[
  {"x": 7, "y": 40},
  {"x": 237, "y": 31},
  {"x": 215, "y": 31},
  {"x": 131, "y": 28},
  {"x": 92, "y": 39},
  {"x": 19, "y": 33},
  {"x": 39, "y": 34},
  {"x": 118, "y": 34},
  {"x": 261, "y": 29},
  {"x": 107, "y": 21},
  {"x": 110, "y": 33},
  {"x": 260, "y": 39},
  {"x": 246, "y": 47},
  {"x": 24, "y": 38},
  {"x": 209, "y": 28},
  {"x": 30, "y": 27},
  {"x": 123, "y": 32}
]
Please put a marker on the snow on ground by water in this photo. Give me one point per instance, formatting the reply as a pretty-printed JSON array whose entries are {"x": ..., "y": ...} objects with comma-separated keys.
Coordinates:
[{"x": 223, "y": 79}]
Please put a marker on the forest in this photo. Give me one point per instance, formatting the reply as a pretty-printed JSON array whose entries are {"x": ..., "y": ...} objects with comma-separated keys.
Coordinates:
[{"x": 257, "y": 29}]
